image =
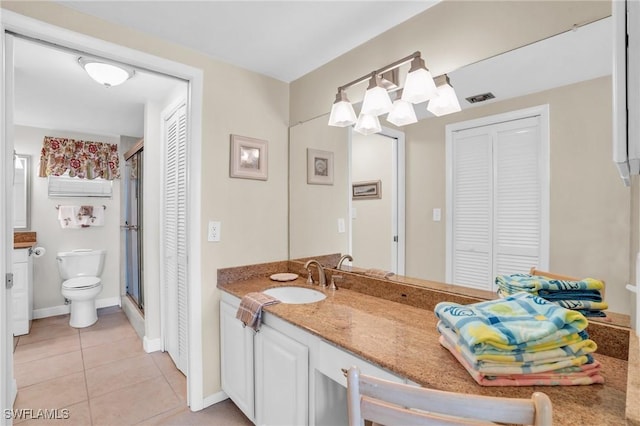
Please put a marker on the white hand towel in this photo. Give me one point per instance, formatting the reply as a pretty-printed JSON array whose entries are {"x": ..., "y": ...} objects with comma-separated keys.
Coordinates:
[
  {"x": 68, "y": 216},
  {"x": 98, "y": 216}
]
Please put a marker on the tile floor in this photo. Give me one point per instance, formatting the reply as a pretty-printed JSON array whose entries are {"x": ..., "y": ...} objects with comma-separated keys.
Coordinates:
[{"x": 102, "y": 376}]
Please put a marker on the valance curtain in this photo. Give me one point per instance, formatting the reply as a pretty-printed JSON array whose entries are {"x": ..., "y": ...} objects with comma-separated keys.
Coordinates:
[{"x": 83, "y": 159}]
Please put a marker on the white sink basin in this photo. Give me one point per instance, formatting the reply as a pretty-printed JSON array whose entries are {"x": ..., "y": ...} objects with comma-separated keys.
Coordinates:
[{"x": 295, "y": 295}]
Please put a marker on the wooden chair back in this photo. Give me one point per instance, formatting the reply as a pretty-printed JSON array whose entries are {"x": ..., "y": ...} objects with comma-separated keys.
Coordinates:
[{"x": 387, "y": 403}]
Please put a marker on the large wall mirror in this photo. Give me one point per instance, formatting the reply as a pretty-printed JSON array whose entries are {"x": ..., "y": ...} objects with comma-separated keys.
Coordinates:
[
  {"x": 22, "y": 192},
  {"x": 589, "y": 208}
]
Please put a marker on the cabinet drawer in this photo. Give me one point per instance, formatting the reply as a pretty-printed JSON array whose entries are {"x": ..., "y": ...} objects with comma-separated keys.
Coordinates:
[
  {"x": 20, "y": 255},
  {"x": 332, "y": 360}
]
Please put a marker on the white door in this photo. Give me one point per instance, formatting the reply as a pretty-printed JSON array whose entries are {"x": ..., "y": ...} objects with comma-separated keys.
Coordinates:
[
  {"x": 377, "y": 224},
  {"x": 174, "y": 235},
  {"x": 497, "y": 198},
  {"x": 8, "y": 385}
]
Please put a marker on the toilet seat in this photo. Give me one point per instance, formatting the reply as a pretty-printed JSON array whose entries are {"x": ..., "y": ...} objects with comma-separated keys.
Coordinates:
[{"x": 81, "y": 283}]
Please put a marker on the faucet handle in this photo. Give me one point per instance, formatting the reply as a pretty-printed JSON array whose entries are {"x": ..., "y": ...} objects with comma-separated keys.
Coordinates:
[
  {"x": 333, "y": 285},
  {"x": 309, "y": 277}
]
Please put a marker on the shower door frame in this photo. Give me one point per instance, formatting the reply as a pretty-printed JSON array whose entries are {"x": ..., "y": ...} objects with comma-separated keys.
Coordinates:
[{"x": 136, "y": 151}]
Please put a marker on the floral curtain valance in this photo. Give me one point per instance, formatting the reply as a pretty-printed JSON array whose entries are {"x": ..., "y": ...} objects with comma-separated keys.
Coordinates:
[{"x": 83, "y": 159}]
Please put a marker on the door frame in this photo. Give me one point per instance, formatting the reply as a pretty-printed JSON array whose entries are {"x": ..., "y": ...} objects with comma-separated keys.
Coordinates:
[
  {"x": 30, "y": 27},
  {"x": 398, "y": 161}
]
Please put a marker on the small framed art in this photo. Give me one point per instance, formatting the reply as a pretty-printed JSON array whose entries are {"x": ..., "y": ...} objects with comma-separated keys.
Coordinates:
[
  {"x": 366, "y": 190},
  {"x": 319, "y": 167},
  {"x": 248, "y": 158}
]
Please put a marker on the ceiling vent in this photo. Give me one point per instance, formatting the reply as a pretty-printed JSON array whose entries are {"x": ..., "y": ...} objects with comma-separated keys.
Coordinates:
[{"x": 480, "y": 98}]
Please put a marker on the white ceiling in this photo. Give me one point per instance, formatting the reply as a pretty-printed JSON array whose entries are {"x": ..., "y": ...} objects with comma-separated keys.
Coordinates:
[
  {"x": 61, "y": 96},
  {"x": 280, "y": 39}
]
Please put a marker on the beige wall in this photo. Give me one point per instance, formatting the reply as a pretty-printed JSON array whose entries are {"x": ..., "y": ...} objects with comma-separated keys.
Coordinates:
[
  {"x": 450, "y": 35},
  {"x": 315, "y": 209},
  {"x": 371, "y": 160},
  {"x": 590, "y": 207},
  {"x": 234, "y": 101},
  {"x": 44, "y": 221}
]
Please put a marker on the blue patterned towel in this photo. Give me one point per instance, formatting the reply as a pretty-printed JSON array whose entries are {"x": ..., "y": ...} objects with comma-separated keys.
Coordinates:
[
  {"x": 533, "y": 283},
  {"x": 590, "y": 295},
  {"x": 519, "y": 321}
]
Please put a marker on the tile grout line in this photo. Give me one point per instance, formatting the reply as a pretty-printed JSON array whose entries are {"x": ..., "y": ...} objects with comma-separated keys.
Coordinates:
[{"x": 84, "y": 372}]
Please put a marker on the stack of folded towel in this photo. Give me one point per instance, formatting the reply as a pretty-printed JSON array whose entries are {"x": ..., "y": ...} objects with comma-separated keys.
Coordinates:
[
  {"x": 584, "y": 295},
  {"x": 521, "y": 340}
]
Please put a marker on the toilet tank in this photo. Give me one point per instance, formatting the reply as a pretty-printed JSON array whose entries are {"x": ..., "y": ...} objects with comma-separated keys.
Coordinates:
[{"x": 81, "y": 263}]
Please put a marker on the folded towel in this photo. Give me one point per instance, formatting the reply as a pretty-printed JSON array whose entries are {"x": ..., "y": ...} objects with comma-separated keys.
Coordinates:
[
  {"x": 519, "y": 321},
  {"x": 97, "y": 218},
  {"x": 582, "y": 346},
  {"x": 589, "y": 295},
  {"x": 378, "y": 273},
  {"x": 250, "y": 309},
  {"x": 555, "y": 360},
  {"x": 533, "y": 283},
  {"x": 585, "y": 374},
  {"x": 582, "y": 305}
]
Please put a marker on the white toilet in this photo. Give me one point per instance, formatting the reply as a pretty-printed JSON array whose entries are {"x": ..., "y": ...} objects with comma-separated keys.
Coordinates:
[{"x": 80, "y": 271}]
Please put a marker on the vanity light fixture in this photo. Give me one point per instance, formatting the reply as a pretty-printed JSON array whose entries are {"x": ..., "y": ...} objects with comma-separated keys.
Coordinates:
[
  {"x": 402, "y": 113},
  {"x": 342, "y": 113},
  {"x": 367, "y": 124},
  {"x": 419, "y": 87},
  {"x": 376, "y": 98},
  {"x": 447, "y": 101},
  {"x": 105, "y": 73}
]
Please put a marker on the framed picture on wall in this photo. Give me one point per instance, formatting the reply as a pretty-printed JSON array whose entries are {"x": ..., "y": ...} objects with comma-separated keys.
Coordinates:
[
  {"x": 319, "y": 167},
  {"x": 366, "y": 190},
  {"x": 248, "y": 158}
]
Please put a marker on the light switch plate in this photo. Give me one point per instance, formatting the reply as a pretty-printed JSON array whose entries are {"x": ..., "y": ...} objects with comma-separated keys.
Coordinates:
[
  {"x": 213, "y": 231},
  {"x": 341, "y": 227},
  {"x": 437, "y": 215}
]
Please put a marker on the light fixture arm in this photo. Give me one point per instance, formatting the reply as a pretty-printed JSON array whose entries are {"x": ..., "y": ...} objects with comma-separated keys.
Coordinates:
[{"x": 379, "y": 71}]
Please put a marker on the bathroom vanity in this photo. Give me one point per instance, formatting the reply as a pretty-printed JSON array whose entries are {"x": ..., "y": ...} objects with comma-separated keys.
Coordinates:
[{"x": 301, "y": 349}]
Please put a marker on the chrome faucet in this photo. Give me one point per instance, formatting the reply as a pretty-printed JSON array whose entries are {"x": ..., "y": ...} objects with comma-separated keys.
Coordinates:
[
  {"x": 321, "y": 276},
  {"x": 342, "y": 259}
]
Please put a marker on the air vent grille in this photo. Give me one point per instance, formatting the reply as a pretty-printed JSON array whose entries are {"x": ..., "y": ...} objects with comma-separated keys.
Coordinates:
[{"x": 480, "y": 98}]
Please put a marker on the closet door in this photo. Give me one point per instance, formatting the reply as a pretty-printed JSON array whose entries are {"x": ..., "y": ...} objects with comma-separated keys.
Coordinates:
[
  {"x": 174, "y": 228},
  {"x": 496, "y": 201},
  {"x": 472, "y": 208}
]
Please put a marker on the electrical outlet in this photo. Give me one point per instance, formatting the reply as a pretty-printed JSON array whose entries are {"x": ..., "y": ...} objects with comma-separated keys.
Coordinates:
[{"x": 213, "y": 232}]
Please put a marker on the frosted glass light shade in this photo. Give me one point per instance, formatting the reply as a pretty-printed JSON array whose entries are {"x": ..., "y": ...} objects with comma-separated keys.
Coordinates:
[
  {"x": 446, "y": 102},
  {"x": 367, "y": 124},
  {"x": 342, "y": 113},
  {"x": 419, "y": 85},
  {"x": 376, "y": 98},
  {"x": 402, "y": 113},
  {"x": 106, "y": 74}
]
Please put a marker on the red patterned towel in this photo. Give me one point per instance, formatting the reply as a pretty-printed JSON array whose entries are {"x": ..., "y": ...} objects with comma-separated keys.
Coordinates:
[{"x": 250, "y": 309}]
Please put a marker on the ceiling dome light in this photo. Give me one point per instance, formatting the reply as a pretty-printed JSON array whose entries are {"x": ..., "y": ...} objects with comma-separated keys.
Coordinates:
[
  {"x": 447, "y": 100},
  {"x": 106, "y": 74},
  {"x": 376, "y": 98},
  {"x": 342, "y": 113},
  {"x": 419, "y": 85},
  {"x": 402, "y": 113},
  {"x": 367, "y": 124}
]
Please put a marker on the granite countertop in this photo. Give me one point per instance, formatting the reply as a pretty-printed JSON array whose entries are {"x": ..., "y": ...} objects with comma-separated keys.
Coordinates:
[{"x": 403, "y": 339}]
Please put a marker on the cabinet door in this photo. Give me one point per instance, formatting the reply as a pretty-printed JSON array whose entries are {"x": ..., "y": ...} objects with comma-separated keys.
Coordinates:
[
  {"x": 282, "y": 379},
  {"x": 236, "y": 360},
  {"x": 20, "y": 298}
]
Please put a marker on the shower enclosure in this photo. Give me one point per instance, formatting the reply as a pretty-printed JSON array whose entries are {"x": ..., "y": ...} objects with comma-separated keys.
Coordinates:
[{"x": 133, "y": 225}]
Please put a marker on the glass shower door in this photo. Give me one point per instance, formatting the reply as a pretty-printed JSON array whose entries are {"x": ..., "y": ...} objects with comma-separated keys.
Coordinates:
[{"x": 133, "y": 228}]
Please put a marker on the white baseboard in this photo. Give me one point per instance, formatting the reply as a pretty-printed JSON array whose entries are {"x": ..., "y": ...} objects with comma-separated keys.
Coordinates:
[
  {"x": 213, "y": 399},
  {"x": 64, "y": 309},
  {"x": 151, "y": 345}
]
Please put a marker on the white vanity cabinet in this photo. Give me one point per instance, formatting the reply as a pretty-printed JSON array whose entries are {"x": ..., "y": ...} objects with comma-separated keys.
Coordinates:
[
  {"x": 282, "y": 385},
  {"x": 236, "y": 357},
  {"x": 22, "y": 291}
]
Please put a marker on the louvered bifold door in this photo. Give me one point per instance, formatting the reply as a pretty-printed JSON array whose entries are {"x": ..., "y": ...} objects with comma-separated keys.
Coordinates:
[
  {"x": 517, "y": 196},
  {"x": 472, "y": 208},
  {"x": 175, "y": 238}
]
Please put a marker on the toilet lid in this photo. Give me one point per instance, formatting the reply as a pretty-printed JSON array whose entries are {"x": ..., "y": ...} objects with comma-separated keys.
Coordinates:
[{"x": 81, "y": 282}]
